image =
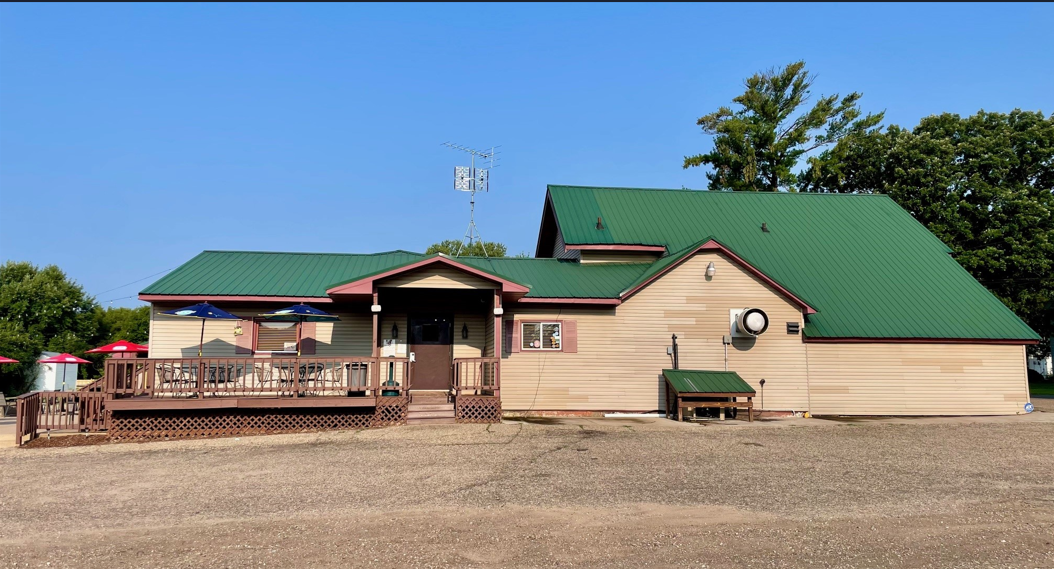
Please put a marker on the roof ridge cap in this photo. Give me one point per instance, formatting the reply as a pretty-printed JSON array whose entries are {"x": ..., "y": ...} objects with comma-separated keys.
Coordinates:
[
  {"x": 311, "y": 253},
  {"x": 714, "y": 192}
]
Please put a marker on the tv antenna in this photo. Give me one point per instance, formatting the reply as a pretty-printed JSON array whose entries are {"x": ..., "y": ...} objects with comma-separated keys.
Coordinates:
[{"x": 471, "y": 179}]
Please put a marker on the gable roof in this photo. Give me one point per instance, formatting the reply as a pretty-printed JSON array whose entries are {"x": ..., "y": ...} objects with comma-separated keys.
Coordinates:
[
  {"x": 364, "y": 284},
  {"x": 666, "y": 264},
  {"x": 868, "y": 268}
]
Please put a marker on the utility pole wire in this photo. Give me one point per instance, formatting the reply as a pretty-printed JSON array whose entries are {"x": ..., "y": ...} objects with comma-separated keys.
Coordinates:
[{"x": 133, "y": 282}]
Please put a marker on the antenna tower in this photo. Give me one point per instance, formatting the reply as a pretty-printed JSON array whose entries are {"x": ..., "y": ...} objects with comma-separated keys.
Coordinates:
[{"x": 471, "y": 179}]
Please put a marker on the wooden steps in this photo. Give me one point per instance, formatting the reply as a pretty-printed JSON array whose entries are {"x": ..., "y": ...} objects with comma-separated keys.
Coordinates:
[{"x": 430, "y": 408}]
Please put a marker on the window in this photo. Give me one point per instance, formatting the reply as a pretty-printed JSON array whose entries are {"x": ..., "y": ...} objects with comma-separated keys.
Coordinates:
[
  {"x": 430, "y": 333},
  {"x": 540, "y": 336},
  {"x": 276, "y": 337}
]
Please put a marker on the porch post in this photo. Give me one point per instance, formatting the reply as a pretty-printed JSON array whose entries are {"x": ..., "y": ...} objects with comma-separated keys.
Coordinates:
[
  {"x": 375, "y": 364},
  {"x": 497, "y": 343}
]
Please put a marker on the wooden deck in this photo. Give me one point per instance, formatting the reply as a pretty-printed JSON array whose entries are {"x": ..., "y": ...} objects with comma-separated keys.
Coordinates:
[
  {"x": 265, "y": 378},
  {"x": 142, "y": 398},
  {"x": 159, "y": 404}
]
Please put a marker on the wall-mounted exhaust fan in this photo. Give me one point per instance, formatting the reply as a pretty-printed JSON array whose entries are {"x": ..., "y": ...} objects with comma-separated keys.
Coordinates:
[{"x": 748, "y": 322}]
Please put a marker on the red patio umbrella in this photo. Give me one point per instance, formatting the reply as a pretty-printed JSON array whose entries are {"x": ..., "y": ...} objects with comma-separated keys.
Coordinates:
[
  {"x": 4, "y": 360},
  {"x": 120, "y": 346},
  {"x": 63, "y": 359}
]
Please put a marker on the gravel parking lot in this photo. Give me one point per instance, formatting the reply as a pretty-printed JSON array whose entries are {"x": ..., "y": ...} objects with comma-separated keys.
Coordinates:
[{"x": 635, "y": 492}]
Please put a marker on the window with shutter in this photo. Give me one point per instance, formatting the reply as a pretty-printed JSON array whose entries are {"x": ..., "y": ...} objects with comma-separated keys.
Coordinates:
[
  {"x": 276, "y": 337},
  {"x": 541, "y": 336}
]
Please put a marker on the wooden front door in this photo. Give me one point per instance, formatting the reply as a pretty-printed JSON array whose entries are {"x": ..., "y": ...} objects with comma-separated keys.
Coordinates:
[{"x": 431, "y": 341}]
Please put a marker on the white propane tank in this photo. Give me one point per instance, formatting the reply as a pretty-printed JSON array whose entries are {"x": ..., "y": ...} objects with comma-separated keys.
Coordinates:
[{"x": 752, "y": 321}]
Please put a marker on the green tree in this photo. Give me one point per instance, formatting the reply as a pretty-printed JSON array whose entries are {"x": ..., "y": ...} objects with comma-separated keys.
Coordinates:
[
  {"x": 40, "y": 309},
  {"x": 132, "y": 324},
  {"x": 757, "y": 146},
  {"x": 983, "y": 184},
  {"x": 450, "y": 247}
]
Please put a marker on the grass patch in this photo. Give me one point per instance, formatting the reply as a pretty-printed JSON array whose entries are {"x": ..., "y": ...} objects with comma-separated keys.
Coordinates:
[{"x": 1045, "y": 388}]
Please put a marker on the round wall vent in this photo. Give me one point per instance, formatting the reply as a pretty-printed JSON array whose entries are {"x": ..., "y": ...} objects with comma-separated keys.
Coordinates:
[{"x": 752, "y": 321}]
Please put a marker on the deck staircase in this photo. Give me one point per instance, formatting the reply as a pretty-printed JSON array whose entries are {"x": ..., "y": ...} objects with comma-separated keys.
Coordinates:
[{"x": 430, "y": 408}]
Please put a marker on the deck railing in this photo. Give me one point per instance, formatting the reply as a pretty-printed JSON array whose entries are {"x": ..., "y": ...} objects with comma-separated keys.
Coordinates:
[
  {"x": 476, "y": 376},
  {"x": 254, "y": 377},
  {"x": 80, "y": 411}
]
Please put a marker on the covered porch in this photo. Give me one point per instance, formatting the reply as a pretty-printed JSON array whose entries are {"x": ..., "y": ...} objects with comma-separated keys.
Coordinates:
[{"x": 415, "y": 344}]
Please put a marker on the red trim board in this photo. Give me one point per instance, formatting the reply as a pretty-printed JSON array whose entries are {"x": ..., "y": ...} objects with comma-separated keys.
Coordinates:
[
  {"x": 601, "y": 301},
  {"x": 229, "y": 298},
  {"x": 627, "y": 248},
  {"x": 917, "y": 341}
]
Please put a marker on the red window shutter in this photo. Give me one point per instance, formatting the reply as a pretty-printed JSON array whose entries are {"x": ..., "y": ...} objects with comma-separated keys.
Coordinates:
[
  {"x": 512, "y": 336},
  {"x": 307, "y": 338},
  {"x": 569, "y": 336},
  {"x": 244, "y": 344}
]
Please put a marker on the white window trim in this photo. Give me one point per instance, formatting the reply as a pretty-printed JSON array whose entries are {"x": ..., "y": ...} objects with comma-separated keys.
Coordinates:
[{"x": 541, "y": 326}]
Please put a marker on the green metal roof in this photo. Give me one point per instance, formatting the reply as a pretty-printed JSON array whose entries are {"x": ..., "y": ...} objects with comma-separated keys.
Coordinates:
[
  {"x": 866, "y": 266},
  {"x": 553, "y": 278},
  {"x": 701, "y": 381},
  {"x": 247, "y": 273}
]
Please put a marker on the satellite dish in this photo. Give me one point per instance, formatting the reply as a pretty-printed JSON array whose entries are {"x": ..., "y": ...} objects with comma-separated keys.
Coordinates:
[{"x": 752, "y": 322}]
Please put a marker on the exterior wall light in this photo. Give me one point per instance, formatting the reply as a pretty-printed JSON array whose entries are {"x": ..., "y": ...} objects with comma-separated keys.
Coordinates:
[
  {"x": 395, "y": 330},
  {"x": 711, "y": 270},
  {"x": 464, "y": 331}
]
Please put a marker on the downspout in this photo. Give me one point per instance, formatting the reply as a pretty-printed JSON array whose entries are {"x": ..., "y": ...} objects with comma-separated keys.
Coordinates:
[
  {"x": 676, "y": 357},
  {"x": 808, "y": 387}
]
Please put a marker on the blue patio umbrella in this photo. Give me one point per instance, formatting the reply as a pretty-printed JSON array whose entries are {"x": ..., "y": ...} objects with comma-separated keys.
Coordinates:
[
  {"x": 299, "y": 313},
  {"x": 204, "y": 311}
]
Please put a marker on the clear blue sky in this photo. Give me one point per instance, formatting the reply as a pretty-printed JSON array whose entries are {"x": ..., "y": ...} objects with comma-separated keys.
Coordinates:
[{"x": 134, "y": 136}]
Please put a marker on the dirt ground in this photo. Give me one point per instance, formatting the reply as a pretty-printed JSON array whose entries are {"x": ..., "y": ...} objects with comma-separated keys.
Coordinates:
[{"x": 548, "y": 493}]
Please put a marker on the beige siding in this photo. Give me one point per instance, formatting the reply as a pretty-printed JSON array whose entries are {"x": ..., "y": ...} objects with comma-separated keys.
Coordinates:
[
  {"x": 618, "y": 257},
  {"x": 437, "y": 277},
  {"x": 476, "y": 344},
  {"x": 174, "y": 337},
  {"x": 488, "y": 322},
  {"x": 349, "y": 336},
  {"x": 622, "y": 350},
  {"x": 559, "y": 250},
  {"x": 917, "y": 379}
]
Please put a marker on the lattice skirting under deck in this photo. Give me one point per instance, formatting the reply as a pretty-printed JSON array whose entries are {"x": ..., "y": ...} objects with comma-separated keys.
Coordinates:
[
  {"x": 391, "y": 411},
  {"x": 139, "y": 425},
  {"x": 477, "y": 409}
]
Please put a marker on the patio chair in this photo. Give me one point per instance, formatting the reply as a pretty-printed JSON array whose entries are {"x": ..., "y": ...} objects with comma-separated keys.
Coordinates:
[
  {"x": 263, "y": 379},
  {"x": 6, "y": 402},
  {"x": 175, "y": 379},
  {"x": 312, "y": 378}
]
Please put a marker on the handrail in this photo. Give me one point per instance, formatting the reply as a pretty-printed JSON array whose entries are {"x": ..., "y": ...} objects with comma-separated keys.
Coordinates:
[
  {"x": 339, "y": 376},
  {"x": 80, "y": 411},
  {"x": 27, "y": 416},
  {"x": 477, "y": 376},
  {"x": 95, "y": 385}
]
